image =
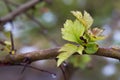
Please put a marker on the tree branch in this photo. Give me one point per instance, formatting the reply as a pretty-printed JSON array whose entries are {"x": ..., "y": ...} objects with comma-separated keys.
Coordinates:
[
  {"x": 52, "y": 53},
  {"x": 18, "y": 11},
  {"x": 48, "y": 53}
]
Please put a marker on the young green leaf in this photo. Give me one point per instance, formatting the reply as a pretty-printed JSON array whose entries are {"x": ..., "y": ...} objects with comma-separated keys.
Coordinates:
[
  {"x": 88, "y": 19},
  {"x": 85, "y": 19},
  {"x": 72, "y": 31},
  {"x": 80, "y": 49},
  {"x": 96, "y": 38},
  {"x": 79, "y": 16},
  {"x": 79, "y": 31},
  {"x": 95, "y": 34},
  {"x": 91, "y": 48},
  {"x": 66, "y": 51},
  {"x": 7, "y": 46}
]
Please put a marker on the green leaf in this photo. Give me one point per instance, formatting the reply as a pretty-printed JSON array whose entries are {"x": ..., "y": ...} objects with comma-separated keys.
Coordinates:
[
  {"x": 88, "y": 19},
  {"x": 91, "y": 48},
  {"x": 85, "y": 19},
  {"x": 72, "y": 31},
  {"x": 7, "y": 46},
  {"x": 66, "y": 51},
  {"x": 79, "y": 31},
  {"x": 96, "y": 38},
  {"x": 80, "y": 49},
  {"x": 95, "y": 34}
]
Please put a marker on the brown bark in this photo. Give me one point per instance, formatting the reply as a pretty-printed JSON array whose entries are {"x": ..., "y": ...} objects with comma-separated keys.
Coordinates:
[{"x": 52, "y": 53}]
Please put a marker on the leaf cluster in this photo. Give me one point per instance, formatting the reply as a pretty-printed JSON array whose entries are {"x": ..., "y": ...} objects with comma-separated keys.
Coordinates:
[{"x": 79, "y": 32}]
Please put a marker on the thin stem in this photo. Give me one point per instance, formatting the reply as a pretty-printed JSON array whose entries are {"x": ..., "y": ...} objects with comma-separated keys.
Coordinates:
[
  {"x": 23, "y": 8},
  {"x": 11, "y": 34},
  {"x": 24, "y": 67},
  {"x": 29, "y": 66},
  {"x": 12, "y": 39},
  {"x": 42, "y": 30},
  {"x": 64, "y": 75},
  {"x": 63, "y": 72}
]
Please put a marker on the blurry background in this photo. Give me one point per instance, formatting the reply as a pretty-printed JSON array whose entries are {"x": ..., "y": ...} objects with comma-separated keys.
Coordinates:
[{"x": 39, "y": 28}]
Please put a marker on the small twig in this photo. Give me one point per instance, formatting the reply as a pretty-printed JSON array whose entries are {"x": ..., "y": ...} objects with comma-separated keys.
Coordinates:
[
  {"x": 64, "y": 75},
  {"x": 42, "y": 30},
  {"x": 26, "y": 62},
  {"x": 29, "y": 66},
  {"x": 63, "y": 72},
  {"x": 24, "y": 67},
  {"x": 24, "y": 7},
  {"x": 12, "y": 38},
  {"x": 12, "y": 25}
]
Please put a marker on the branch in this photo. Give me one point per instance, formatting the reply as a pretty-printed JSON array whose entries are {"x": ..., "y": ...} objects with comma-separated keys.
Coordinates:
[
  {"x": 42, "y": 30},
  {"x": 52, "y": 53},
  {"x": 18, "y": 11}
]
